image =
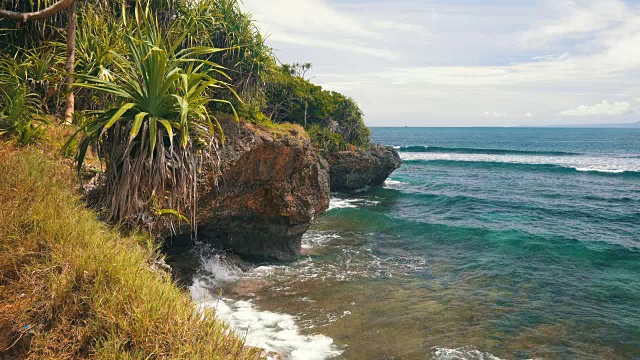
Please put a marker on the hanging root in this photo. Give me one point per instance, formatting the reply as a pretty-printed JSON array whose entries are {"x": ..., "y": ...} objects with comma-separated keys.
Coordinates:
[{"x": 143, "y": 184}]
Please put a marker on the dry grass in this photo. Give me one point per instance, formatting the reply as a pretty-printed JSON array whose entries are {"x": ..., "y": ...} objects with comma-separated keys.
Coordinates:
[
  {"x": 282, "y": 129},
  {"x": 70, "y": 287},
  {"x": 279, "y": 130}
]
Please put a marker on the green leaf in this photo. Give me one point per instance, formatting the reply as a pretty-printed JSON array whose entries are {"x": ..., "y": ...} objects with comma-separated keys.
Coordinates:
[
  {"x": 118, "y": 114},
  {"x": 153, "y": 133},
  {"x": 137, "y": 123},
  {"x": 172, "y": 212},
  {"x": 167, "y": 126}
]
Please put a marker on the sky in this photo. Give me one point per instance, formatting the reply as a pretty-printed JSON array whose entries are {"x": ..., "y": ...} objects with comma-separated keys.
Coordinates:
[{"x": 466, "y": 62}]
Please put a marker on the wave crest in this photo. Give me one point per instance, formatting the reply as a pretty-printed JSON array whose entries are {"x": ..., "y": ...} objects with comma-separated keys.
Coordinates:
[
  {"x": 438, "y": 149},
  {"x": 585, "y": 164}
]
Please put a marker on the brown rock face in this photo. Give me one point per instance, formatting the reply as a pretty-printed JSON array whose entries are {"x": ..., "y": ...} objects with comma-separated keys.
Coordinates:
[
  {"x": 357, "y": 169},
  {"x": 272, "y": 187}
]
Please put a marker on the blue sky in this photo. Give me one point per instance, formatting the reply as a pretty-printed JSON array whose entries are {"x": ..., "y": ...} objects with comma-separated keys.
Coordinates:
[{"x": 467, "y": 63}]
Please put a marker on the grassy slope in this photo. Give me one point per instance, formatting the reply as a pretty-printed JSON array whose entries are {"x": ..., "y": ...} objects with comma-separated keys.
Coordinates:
[{"x": 70, "y": 287}]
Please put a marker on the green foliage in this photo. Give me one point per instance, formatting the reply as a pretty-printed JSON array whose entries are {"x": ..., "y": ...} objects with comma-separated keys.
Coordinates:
[
  {"x": 145, "y": 91},
  {"x": 31, "y": 34},
  {"x": 100, "y": 36},
  {"x": 249, "y": 57},
  {"x": 45, "y": 74},
  {"x": 286, "y": 96},
  {"x": 349, "y": 119},
  {"x": 152, "y": 139},
  {"x": 19, "y": 112},
  {"x": 264, "y": 92},
  {"x": 40, "y": 70},
  {"x": 171, "y": 212},
  {"x": 248, "y": 60},
  {"x": 293, "y": 99},
  {"x": 325, "y": 140}
]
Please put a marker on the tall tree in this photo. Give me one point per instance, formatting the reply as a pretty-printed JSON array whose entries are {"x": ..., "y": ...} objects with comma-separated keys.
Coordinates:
[{"x": 71, "y": 59}]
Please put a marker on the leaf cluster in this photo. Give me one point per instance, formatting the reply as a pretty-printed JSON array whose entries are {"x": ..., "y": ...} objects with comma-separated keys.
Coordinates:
[
  {"x": 159, "y": 129},
  {"x": 20, "y": 118}
]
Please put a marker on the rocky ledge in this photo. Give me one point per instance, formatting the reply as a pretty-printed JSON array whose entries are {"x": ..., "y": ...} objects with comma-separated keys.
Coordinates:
[
  {"x": 271, "y": 186},
  {"x": 356, "y": 169}
]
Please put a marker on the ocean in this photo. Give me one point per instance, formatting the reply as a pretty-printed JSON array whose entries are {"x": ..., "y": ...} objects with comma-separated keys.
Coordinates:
[{"x": 488, "y": 243}]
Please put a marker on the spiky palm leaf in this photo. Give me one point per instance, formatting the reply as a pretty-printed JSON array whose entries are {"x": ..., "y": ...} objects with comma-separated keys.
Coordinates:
[
  {"x": 153, "y": 139},
  {"x": 97, "y": 37},
  {"x": 19, "y": 110}
]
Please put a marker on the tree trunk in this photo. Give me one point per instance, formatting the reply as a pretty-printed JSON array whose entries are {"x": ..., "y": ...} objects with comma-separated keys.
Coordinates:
[
  {"x": 71, "y": 59},
  {"x": 59, "y": 6},
  {"x": 37, "y": 15},
  {"x": 306, "y": 106}
]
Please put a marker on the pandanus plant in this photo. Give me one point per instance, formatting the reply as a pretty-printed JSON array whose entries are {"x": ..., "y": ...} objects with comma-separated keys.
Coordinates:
[
  {"x": 19, "y": 111},
  {"x": 153, "y": 141}
]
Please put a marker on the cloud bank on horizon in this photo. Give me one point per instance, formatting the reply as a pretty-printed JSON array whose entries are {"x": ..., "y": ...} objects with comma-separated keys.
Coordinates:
[{"x": 467, "y": 62}]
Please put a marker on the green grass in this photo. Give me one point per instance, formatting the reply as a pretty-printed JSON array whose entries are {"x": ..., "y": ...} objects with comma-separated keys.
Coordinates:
[{"x": 71, "y": 287}]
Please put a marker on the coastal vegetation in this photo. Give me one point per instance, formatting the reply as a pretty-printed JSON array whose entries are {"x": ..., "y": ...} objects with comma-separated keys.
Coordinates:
[
  {"x": 71, "y": 287},
  {"x": 153, "y": 137},
  {"x": 149, "y": 79},
  {"x": 130, "y": 94}
]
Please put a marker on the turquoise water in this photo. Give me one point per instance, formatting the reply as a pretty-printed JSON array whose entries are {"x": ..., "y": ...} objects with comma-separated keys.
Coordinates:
[{"x": 509, "y": 243}]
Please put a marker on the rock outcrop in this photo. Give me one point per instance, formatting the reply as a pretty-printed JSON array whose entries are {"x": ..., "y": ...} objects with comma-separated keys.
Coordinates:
[
  {"x": 271, "y": 187},
  {"x": 357, "y": 169}
]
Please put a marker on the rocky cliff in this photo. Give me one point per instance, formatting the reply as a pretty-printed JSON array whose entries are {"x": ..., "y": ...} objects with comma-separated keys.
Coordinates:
[
  {"x": 360, "y": 168},
  {"x": 271, "y": 187}
]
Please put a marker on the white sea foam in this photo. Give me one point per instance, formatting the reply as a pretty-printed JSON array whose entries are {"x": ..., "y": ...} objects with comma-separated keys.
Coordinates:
[
  {"x": 317, "y": 239},
  {"x": 601, "y": 170},
  {"x": 340, "y": 203},
  {"x": 392, "y": 183},
  {"x": 268, "y": 330},
  {"x": 218, "y": 270},
  {"x": 466, "y": 353},
  {"x": 337, "y": 203},
  {"x": 609, "y": 164}
]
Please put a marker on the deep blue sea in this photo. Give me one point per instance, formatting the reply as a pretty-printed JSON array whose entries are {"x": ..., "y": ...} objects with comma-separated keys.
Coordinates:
[{"x": 487, "y": 243}]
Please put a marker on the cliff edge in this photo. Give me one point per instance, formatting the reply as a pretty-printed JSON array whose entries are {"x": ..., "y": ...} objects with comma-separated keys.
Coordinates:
[
  {"x": 271, "y": 186},
  {"x": 356, "y": 169}
]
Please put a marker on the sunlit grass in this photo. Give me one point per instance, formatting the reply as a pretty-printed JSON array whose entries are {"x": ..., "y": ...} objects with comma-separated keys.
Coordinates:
[{"x": 72, "y": 287}]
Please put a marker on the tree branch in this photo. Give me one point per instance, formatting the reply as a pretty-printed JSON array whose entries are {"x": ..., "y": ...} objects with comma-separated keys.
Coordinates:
[{"x": 37, "y": 15}]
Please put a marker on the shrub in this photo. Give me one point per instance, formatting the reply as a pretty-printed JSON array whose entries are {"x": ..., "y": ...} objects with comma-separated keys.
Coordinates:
[
  {"x": 154, "y": 138},
  {"x": 19, "y": 110},
  {"x": 325, "y": 140}
]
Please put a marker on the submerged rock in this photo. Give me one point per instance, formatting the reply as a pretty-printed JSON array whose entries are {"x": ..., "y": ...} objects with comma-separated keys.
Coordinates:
[
  {"x": 271, "y": 187},
  {"x": 356, "y": 169}
]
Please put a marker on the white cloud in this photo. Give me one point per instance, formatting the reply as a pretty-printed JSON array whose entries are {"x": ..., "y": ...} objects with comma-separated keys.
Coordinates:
[
  {"x": 550, "y": 57},
  {"x": 309, "y": 16},
  {"x": 577, "y": 20},
  {"x": 602, "y": 109},
  {"x": 403, "y": 27},
  {"x": 316, "y": 24},
  {"x": 336, "y": 45},
  {"x": 493, "y": 114},
  {"x": 621, "y": 54},
  {"x": 408, "y": 67}
]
